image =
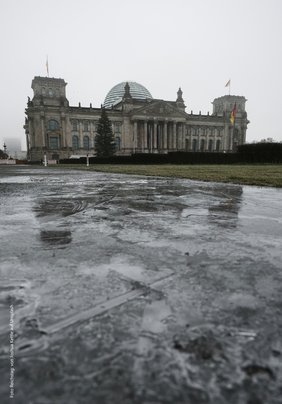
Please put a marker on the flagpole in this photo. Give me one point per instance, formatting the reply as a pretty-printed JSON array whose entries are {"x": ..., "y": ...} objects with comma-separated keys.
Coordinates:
[
  {"x": 228, "y": 84},
  {"x": 47, "y": 65}
]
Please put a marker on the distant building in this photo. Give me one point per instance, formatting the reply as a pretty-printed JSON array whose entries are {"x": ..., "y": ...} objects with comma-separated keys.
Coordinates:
[
  {"x": 141, "y": 123},
  {"x": 267, "y": 140},
  {"x": 13, "y": 146}
]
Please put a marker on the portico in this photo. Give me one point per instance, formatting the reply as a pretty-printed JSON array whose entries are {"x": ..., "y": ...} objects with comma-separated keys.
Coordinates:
[{"x": 158, "y": 135}]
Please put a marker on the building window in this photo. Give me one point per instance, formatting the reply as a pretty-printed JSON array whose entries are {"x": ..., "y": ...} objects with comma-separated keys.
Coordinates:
[
  {"x": 43, "y": 91},
  {"x": 194, "y": 145},
  {"x": 50, "y": 92},
  {"x": 217, "y": 145},
  {"x": 202, "y": 145},
  {"x": 74, "y": 125},
  {"x": 117, "y": 140},
  {"x": 118, "y": 127},
  {"x": 86, "y": 142},
  {"x": 85, "y": 127},
  {"x": 53, "y": 142},
  {"x": 210, "y": 145},
  {"x": 75, "y": 144},
  {"x": 53, "y": 125}
]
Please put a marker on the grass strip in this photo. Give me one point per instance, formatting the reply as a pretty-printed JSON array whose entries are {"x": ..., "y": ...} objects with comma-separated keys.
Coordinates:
[{"x": 260, "y": 175}]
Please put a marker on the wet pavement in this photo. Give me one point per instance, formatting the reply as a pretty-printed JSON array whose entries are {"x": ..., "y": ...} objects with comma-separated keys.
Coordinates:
[{"x": 130, "y": 289}]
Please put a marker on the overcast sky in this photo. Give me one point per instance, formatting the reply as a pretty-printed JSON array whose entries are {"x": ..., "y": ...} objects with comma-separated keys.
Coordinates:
[{"x": 162, "y": 44}]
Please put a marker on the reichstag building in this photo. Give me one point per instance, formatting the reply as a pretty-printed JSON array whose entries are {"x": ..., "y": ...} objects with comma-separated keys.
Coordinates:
[{"x": 141, "y": 123}]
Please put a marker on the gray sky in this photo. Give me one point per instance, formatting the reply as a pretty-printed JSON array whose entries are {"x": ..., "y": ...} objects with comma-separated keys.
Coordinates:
[{"x": 162, "y": 44}]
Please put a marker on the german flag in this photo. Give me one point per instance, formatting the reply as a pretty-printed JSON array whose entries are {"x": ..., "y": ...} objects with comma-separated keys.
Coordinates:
[{"x": 233, "y": 114}]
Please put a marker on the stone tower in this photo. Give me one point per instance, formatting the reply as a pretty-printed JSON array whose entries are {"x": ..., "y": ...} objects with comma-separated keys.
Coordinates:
[
  {"x": 49, "y": 91},
  {"x": 234, "y": 135}
]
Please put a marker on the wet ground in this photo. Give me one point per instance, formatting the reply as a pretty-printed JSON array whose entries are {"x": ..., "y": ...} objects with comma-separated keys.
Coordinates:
[{"x": 130, "y": 289}]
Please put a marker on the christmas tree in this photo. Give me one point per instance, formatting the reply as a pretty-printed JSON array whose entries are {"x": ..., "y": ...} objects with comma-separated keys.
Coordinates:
[{"x": 104, "y": 140}]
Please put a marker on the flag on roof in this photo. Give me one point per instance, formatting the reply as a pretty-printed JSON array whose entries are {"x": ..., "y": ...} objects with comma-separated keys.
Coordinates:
[{"x": 233, "y": 114}]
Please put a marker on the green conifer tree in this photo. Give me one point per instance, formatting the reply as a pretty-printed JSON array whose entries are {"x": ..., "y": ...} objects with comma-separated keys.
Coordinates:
[
  {"x": 3, "y": 155},
  {"x": 104, "y": 140}
]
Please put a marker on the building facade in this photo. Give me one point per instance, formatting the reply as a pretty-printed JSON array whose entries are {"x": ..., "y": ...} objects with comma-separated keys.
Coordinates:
[{"x": 141, "y": 123}]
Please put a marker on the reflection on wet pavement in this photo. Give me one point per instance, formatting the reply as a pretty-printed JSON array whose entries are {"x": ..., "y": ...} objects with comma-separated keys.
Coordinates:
[
  {"x": 55, "y": 237},
  {"x": 130, "y": 289}
]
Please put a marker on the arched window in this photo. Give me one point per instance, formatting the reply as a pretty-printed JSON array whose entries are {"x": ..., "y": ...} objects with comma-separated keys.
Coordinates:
[
  {"x": 75, "y": 143},
  {"x": 117, "y": 143},
  {"x": 210, "y": 145},
  {"x": 217, "y": 145},
  {"x": 86, "y": 142},
  {"x": 194, "y": 145},
  {"x": 117, "y": 127},
  {"x": 53, "y": 125},
  {"x": 202, "y": 145}
]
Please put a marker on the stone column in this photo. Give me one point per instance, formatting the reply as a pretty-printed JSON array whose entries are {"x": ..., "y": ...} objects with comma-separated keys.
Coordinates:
[
  {"x": 145, "y": 135},
  {"x": 160, "y": 131},
  {"x": 80, "y": 137},
  {"x": 224, "y": 140},
  {"x": 174, "y": 136},
  {"x": 183, "y": 137},
  {"x": 155, "y": 135},
  {"x": 151, "y": 133},
  {"x": 231, "y": 137},
  {"x": 63, "y": 137},
  {"x": 42, "y": 130},
  {"x": 30, "y": 134},
  {"x": 134, "y": 136},
  {"x": 165, "y": 136}
]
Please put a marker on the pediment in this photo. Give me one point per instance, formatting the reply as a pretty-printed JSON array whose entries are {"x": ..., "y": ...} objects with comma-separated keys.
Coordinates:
[{"x": 159, "y": 108}]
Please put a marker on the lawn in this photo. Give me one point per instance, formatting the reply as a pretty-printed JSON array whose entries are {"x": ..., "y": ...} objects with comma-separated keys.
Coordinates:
[{"x": 260, "y": 175}]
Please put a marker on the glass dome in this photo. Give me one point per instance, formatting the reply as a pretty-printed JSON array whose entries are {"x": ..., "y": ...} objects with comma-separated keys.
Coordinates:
[{"x": 115, "y": 95}]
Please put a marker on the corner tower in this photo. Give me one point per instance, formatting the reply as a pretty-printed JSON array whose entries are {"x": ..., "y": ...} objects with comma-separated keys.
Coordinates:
[
  {"x": 49, "y": 91},
  {"x": 235, "y": 134}
]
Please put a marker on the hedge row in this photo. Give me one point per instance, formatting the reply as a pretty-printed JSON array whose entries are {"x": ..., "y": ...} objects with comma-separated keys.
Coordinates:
[
  {"x": 261, "y": 153},
  {"x": 247, "y": 154}
]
